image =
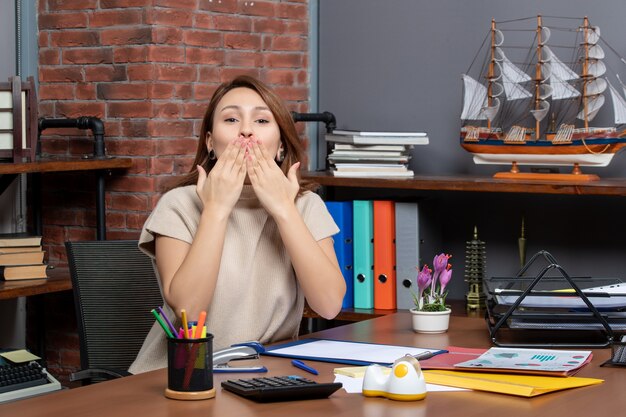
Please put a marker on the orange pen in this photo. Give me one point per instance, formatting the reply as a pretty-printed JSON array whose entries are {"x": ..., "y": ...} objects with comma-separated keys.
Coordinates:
[{"x": 200, "y": 325}]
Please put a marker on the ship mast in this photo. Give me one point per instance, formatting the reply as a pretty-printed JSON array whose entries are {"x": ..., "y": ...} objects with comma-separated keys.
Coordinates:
[
  {"x": 585, "y": 71},
  {"x": 490, "y": 73},
  {"x": 538, "y": 75}
]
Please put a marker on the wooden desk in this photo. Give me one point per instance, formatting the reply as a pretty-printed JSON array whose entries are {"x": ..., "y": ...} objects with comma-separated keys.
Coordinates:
[{"x": 142, "y": 395}]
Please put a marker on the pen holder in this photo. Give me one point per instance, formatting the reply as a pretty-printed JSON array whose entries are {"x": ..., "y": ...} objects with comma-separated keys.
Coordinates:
[
  {"x": 190, "y": 369},
  {"x": 618, "y": 353}
]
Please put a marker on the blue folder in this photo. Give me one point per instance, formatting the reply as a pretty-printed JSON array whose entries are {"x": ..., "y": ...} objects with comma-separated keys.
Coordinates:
[{"x": 341, "y": 211}]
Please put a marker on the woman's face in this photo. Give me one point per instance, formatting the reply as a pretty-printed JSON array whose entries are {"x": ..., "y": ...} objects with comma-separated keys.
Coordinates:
[{"x": 242, "y": 113}]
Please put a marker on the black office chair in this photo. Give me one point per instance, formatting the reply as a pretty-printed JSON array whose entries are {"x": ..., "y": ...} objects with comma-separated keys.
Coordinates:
[{"x": 114, "y": 290}]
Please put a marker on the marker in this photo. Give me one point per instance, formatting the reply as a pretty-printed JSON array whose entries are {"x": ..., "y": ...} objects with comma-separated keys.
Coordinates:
[
  {"x": 304, "y": 367},
  {"x": 183, "y": 315},
  {"x": 158, "y": 318},
  {"x": 169, "y": 323},
  {"x": 424, "y": 355},
  {"x": 200, "y": 325}
]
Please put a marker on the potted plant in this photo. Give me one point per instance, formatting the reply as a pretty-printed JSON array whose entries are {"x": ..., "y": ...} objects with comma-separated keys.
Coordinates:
[{"x": 431, "y": 314}]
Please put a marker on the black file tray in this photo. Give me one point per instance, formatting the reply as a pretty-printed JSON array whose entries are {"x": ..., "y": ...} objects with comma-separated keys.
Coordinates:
[{"x": 553, "y": 311}]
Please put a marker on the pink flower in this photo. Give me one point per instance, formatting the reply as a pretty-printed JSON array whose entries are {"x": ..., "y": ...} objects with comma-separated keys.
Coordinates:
[
  {"x": 439, "y": 265},
  {"x": 424, "y": 277},
  {"x": 445, "y": 278}
]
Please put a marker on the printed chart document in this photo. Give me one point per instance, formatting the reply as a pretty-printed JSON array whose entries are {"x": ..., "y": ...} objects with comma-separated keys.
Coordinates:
[
  {"x": 353, "y": 353},
  {"x": 535, "y": 361}
]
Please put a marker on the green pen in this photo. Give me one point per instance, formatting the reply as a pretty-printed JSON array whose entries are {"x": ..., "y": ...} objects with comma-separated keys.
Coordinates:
[{"x": 158, "y": 317}]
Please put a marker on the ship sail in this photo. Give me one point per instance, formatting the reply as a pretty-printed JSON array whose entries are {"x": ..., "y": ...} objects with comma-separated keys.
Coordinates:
[
  {"x": 593, "y": 87},
  {"x": 559, "y": 75},
  {"x": 475, "y": 103},
  {"x": 619, "y": 105},
  {"x": 512, "y": 77}
]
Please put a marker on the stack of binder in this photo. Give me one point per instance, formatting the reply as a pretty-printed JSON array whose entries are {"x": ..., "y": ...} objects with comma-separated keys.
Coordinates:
[
  {"x": 372, "y": 154},
  {"x": 378, "y": 249}
]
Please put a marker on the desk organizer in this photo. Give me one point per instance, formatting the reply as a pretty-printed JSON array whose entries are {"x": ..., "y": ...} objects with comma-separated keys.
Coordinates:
[{"x": 554, "y": 311}]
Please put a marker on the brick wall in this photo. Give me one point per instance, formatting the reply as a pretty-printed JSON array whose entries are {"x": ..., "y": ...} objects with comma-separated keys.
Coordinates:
[{"x": 147, "y": 68}]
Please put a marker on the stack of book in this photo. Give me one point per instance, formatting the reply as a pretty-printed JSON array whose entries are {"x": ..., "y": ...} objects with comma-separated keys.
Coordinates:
[
  {"x": 372, "y": 154},
  {"x": 21, "y": 257}
]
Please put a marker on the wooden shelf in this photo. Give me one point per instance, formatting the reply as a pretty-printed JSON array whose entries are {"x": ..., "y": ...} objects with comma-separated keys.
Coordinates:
[
  {"x": 64, "y": 164},
  {"x": 608, "y": 187},
  {"x": 58, "y": 280}
]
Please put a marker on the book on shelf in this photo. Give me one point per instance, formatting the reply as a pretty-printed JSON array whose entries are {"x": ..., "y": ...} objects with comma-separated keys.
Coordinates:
[
  {"x": 18, "y": 239},
  {"x": 370, "y": 174},
  {"x": 21, "y": 258},
  {"x": 372, "y": 148},
  {"x": 373, "y": 167},
  {"x": 15, "y": 249},
  {"x": 20, "y": 272},
  {"x": 381, "y": 139},
  {"x": 363, "y": 133},
  {"x": 367, "y": 159}
]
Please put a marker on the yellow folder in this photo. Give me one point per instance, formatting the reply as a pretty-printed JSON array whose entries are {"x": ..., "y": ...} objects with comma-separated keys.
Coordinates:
[{"x": 522, "y": 385}]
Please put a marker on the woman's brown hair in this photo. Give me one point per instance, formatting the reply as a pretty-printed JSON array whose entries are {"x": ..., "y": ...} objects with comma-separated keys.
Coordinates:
[{"x": 293, "y": 148}]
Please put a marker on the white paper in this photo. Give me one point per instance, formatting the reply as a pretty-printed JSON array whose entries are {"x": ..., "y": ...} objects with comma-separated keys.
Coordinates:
[
  {"x": 529, "y": 359},
  {"x": 350, "y": 351}
]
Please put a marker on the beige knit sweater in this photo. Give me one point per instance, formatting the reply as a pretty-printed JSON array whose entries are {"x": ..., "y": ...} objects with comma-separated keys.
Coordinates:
[{"x": 257, "y": 296}]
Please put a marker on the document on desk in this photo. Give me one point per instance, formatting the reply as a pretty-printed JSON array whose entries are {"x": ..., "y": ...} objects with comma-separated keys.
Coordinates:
[{"x": 351, "y": 353}]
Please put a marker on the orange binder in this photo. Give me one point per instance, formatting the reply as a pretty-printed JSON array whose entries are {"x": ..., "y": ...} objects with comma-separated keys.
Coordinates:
[{"x": 384, "y": 255}]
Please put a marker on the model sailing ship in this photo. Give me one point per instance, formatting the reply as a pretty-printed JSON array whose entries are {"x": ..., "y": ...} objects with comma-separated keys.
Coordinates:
[{"x": 540, "y": 112}]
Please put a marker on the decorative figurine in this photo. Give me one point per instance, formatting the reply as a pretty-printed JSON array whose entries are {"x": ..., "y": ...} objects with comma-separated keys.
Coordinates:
[{"x": 475, "y": 261}]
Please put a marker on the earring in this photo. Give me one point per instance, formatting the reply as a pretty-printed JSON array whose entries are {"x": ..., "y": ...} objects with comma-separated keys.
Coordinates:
[
  {"x": 212, "y": 156},
  {"x": 281, "y": 155}
]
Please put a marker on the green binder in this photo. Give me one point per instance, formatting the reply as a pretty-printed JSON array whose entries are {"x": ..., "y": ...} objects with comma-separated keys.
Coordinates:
[{"x": 363, "y": 254}]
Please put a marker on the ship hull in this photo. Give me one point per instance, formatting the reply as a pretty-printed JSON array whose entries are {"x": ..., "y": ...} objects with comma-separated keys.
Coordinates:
[{"x": 592, "y": 151}]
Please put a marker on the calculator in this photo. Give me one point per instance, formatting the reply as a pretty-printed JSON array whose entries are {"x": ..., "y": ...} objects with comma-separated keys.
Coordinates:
[{"x": 280, "y": 388}]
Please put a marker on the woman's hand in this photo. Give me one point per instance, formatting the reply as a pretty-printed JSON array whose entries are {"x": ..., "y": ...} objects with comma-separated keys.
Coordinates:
[
  {"x": 221, "y": 189},
  {"x": 275, "y": 191}
]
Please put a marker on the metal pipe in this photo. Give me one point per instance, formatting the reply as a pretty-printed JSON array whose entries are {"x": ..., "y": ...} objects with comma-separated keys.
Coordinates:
[
  {"x": 84, "y": 122},
  {"x": 327, "y": 118}
]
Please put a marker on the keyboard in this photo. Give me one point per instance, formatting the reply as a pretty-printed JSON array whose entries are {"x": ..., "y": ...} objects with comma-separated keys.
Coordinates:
[
  {"x": 25, "y": 380},
  {"x": 280, "y": 388}
]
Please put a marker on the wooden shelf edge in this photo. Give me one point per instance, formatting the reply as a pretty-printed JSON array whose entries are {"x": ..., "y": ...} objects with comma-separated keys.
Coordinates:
[
  {"x": 58, "y": 280},
  {"x": 65, "y": 165}
]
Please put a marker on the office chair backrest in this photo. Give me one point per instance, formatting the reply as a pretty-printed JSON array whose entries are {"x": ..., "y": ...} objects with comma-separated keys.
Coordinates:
[{"x": 114, "y": 290}]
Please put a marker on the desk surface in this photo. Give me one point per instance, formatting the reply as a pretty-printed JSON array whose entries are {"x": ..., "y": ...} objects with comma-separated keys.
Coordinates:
[{"x": 142, "y": 395}]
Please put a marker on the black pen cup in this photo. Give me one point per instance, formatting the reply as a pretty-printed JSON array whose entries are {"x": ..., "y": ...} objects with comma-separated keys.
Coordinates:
[{"x": 190, "y": 369}]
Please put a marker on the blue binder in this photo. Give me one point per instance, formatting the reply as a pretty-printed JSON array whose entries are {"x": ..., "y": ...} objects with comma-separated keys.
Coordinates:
[
  {"x": 363, "y": 254},
  {"x": 341, "y": 211}
]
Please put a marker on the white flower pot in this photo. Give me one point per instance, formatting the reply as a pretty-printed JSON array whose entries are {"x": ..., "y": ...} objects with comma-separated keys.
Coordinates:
[{"x": 430, "y": 321}]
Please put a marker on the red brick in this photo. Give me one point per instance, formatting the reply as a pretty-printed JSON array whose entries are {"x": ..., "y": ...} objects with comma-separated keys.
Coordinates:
[
  {"x": 111, "y": 127},
  {"x": 160, "y": 90},
  {"x": 134, "y": 128},
  {"x": 166, "y": 110},
  {"x": 74, "y": 38},
  {"x": 243, "y": 59},
  {"x": 136, "y": 220},
  {"x": 167, "y": 35},
  {"x": 125, "y": 91},
  {"x": 123, "y": 234},
  {"x": 131, "y": 184},
  {"x": 60, "y": 74},
  {"x": 185, "y": 73},
  {"x": 182, "y": 91},
  {"x": 258, "y": 8},
  {"x": 110, "y": 18},
  {"x": 297, "y": 27},
  {"x": 132, "y": 147},
  {"x": 232, "y": 23},
  {"x": 72, "y": 4},
  {"x": 204, "y": 56},
  {"x": 130, "y": 54},
  {"x": 289, "y": 43},
  {"x": 157, "y": 53},
  {"x": 158, "y": 128},
  {"x": 193, "y": 110},
  {"x": 203, "y": 21},
  {"x": 170, "y": 17},
  {"x": 242, "y": 41},
  {"x": 140, "y": 166},
  {"x": 223, "y": 6},
  {"x": 77, "y": 109},
  {"x": 202, "y": 38},
  {"x": 140, "y": 72},
  {"x": 161, "y": 165},
  {"x": 209, "y": 74},
  {"x": 88, "y": 56},
  {"x": 116, "y": 220},
  {"x": 86, "y": 92},
  {"x": 292, "y": 93},
  {"x": 180, "y": 4},
  {"x": 116, "y": 4},
  {"x": 269, "y": 26},
  {"x": 284, "y": 60},
  {"x": 56, "y": 92},
  {"x": 292, "y": 11},
  {"x": 134, "y": 202},
  {"x": 135, "y": 36},
  {"x": 43, "y": 39},
  {"x": 106, "y": 73},
  {"x": 203, "y": 91},
  {"x": 280, "y": 76},
  {"x": 61, "y": 20},
  {"x": 227, "y": 74},
  {"x": 129, "y": 109}
]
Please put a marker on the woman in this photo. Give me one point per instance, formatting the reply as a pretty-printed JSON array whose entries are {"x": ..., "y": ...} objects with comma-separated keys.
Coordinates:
[{"x": 240, "y": 238}]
